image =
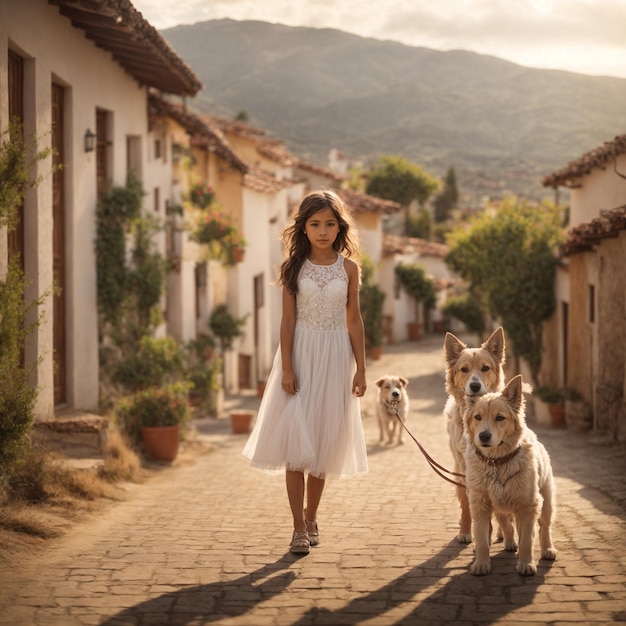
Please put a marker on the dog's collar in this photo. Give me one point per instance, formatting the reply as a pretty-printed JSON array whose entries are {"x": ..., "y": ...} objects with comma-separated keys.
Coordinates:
[
  {"x": 499, "y": 460},
  {"x": 392, "y": 405}
]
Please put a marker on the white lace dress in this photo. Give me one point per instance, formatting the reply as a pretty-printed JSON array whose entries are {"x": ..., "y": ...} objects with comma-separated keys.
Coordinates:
[{"x": 319, "y": 429}]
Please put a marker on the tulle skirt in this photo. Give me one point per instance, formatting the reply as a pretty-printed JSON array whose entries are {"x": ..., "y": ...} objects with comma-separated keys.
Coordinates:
[{"x": 318, "y": 430}]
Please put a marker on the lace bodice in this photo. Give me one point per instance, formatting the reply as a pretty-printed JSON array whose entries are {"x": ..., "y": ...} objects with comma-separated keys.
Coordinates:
[{"x": 322, "y": 295}]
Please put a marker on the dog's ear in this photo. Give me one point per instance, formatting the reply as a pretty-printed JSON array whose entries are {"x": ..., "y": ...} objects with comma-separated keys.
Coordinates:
[
  {"x": 495, "y": 344},
  {"x": 380, "y": 382},
  {"x": 404, "y": 381},
  {"x": 513, "y": 392},
  {"x": 453, "y": 347}
]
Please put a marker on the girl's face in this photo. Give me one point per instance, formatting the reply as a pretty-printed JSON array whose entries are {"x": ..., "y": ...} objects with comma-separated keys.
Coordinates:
[{"x": 322, "y": 229}]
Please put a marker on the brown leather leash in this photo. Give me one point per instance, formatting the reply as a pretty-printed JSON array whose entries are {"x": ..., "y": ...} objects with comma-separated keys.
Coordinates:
[{"x": 438, "y": 469}]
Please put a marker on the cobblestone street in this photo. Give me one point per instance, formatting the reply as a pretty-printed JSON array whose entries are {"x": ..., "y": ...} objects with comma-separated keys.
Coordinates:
[{"x": 207, "y": 542}]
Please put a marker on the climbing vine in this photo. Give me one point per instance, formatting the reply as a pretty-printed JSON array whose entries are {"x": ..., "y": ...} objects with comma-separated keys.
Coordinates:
[
  {"x": 18, "y": 319},
  {"x": 130, "y": 285}
]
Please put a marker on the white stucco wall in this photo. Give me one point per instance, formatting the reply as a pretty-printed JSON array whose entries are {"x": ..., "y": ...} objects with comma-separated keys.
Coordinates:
[
  {"x": 602, "y": 190},
  {"x": 51, "y": 46}
]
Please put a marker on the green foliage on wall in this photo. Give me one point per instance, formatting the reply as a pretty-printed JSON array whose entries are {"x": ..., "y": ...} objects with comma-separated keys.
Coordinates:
[
  {"x": 416, "y": 283},
  {"x": 18, "y": 319},
  {"x": 371, "y": 300}
]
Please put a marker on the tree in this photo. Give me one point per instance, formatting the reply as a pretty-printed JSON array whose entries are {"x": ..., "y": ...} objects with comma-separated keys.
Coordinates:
[
  {"x": 447, "y": 199},
  {"x": 507, "y": 255},
  {"x": 395, "y": 178}
]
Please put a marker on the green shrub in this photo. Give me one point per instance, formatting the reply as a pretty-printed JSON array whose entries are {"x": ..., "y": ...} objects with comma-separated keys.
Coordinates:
[
  {"x": 155, "y": 361},
  {"x": 416, "y": 283},
  {"x": 225, "y": 327},
  {"x": 467, "y": 309},
  {"x": 154, "y": 406}
]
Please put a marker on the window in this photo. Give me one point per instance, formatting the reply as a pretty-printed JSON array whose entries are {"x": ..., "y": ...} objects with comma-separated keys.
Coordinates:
[{"x": 592, "y": 304}]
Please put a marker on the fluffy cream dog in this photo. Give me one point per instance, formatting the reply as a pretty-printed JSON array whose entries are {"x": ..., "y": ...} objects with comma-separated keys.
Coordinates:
[
  {"x": 393, "y": 400},
  {"x": 508, "y": 472},
  {"x": 470, "y": 372}
]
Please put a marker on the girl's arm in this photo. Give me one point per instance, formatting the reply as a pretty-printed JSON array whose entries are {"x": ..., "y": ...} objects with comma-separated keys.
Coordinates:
[
  {"x": 287, "y": 330},
  {"x": 355, "y": 327}
]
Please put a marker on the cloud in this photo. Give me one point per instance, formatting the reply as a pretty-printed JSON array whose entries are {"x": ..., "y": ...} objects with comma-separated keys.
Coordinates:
[{"x": 579, "y": 35}]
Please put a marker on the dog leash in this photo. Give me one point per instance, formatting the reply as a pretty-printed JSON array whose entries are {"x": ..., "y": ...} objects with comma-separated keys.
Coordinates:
[{"x": 438, "y": 469}]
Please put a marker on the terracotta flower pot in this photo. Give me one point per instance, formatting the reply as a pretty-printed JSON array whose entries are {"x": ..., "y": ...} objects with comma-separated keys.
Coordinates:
[
  {"x": 557, "y": 415},
  {"x": 239, "y": 255},
  {"x": 240, "y": 421},
  {"x": 161, "y": 442}
]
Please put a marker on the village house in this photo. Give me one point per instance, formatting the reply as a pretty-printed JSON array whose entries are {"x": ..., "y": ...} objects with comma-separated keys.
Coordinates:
[
  {"x": 77, "y": 74},
  {"x": 585, "y": 340},
  {"x": 401, "y": 311}
]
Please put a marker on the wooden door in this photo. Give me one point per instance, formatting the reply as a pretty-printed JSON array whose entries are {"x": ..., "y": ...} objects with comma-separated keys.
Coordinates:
[
  {"x": 102, "y": 164},
  {"x": 16, "y": 113},
  {"x": 58, "y": 249}
]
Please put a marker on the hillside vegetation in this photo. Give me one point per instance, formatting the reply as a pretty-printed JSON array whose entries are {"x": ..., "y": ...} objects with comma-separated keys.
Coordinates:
[{"x": 501, "y": 125}]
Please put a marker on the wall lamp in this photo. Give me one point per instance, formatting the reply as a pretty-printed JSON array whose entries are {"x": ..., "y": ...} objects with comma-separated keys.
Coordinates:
[{"x": 90, "y": 141}]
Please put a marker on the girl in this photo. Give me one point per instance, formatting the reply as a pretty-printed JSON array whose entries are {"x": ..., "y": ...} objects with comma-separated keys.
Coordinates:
[{"x": 309, "y": 420}]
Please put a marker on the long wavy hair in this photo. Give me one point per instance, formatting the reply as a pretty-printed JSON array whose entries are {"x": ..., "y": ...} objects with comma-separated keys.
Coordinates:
[{"x": 296, "y": 243}]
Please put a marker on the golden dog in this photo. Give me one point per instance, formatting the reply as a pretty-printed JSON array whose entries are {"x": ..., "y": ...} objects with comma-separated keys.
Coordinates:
[
  {"x": 392, "y": 404},
  {"x": 508, "y": 472},
  {"x": 470, "y": 372}
]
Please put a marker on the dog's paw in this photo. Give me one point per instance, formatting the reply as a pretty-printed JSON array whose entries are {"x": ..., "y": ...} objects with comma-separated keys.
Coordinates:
[
  {"x": 527, "y": 568},
  {"x": 464, "y": 538},
  {"x": 480, "y": 569},
  {"x": 510, "y": 546},
  {"x": 549, "y": 554}
]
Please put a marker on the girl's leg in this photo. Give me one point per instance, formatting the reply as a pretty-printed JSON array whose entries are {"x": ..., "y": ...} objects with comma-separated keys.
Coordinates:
[
  {"x": 314, "y": 490},
  {"x": 295, "y": 493}
]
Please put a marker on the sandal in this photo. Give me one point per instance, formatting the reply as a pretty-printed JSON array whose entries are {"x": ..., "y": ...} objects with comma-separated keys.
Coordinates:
[
  {"x": 300, "y": 543},
  {"x": 313, "y": 530}
]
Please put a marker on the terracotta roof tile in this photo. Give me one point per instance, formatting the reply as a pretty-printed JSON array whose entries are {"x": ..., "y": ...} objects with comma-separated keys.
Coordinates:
[
  {"x": 264, "y": 182},
  {"x": 584, "y": 236},
  {"x": 322, "y": 171},
  {"x": 276, "y": 153},
  {"x": 117, "y": 27},
  {"x": 364, "y": 203},
  {"x": 598, "y": 158},
  {"x": 201, "y": 132},
  {"x": 399, "y": 244}
]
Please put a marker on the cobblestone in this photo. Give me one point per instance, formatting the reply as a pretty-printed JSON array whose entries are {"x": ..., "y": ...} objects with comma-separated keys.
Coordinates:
[{"x": 207, "y": 542}]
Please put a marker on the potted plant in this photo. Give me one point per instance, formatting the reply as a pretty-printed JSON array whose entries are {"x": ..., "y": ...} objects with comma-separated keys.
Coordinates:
[
  {"x": 156, "y": 414},
  {"x": 201, "y": 195},
  {"x": 216, "y": 230},
  {"x": 225, "y": 326},
  {"x": 418, "y": 286},
  {"x": 555, "y": 399}
]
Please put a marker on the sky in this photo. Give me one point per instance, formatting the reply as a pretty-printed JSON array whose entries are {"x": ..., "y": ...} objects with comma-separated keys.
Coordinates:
[{"x": 583, "y": 36}]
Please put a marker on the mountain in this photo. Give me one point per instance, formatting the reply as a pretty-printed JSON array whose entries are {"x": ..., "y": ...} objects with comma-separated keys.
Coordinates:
[{"x": 502, "y": 126}]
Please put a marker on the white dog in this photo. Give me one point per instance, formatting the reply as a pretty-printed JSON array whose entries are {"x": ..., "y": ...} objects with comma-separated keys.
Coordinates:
[
  {"x": 508, "y": 472},
  {"x": 393, "y": 403}
]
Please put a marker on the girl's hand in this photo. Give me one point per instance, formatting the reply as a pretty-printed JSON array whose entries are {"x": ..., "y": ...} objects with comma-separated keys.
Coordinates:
[
  {"x": 290, "y": 383},
  {"x": 359, "y": 385}
]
